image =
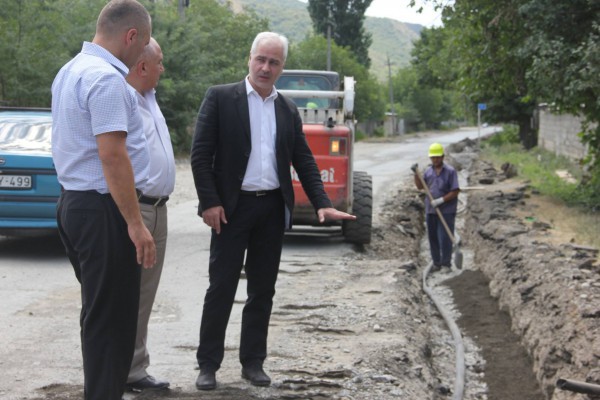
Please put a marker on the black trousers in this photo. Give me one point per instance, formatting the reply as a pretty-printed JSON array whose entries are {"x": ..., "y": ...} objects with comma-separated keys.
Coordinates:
[
  {"x": 255, "y": 230},
  {"x": 440, "y": 244},
  {"x": 104, "y": 260}
]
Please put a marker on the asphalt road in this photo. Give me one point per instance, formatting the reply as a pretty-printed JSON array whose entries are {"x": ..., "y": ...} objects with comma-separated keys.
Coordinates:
[{"x": 39, "y": 317}]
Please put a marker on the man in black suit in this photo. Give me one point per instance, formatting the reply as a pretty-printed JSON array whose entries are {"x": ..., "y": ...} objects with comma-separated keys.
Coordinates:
[{"x": 247, "y": 135}]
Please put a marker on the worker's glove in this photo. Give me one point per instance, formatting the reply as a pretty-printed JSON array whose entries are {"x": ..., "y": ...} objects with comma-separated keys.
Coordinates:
[
  {"x": 414, "y": 167},
  {"x": 437, "y": 202}
]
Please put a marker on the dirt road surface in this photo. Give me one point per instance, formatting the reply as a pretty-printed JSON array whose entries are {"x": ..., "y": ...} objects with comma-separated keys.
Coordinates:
[{"x": 348, "y": 322}]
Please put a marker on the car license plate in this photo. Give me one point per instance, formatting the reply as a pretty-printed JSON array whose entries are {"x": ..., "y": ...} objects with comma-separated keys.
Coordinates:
[{"x": 15, "y": 181}]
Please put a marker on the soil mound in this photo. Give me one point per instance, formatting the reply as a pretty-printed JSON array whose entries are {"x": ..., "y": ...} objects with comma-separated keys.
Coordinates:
[{"x": 551, "y": 292}]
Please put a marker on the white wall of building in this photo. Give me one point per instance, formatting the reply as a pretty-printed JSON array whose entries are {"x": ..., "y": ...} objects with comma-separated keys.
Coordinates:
[{"x": 559, "y": 133}]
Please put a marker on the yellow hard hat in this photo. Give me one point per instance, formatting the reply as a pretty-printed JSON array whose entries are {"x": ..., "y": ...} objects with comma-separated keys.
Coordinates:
[
  {"x": 436, "y": 150},
  {"x": 312, "y": 105}
]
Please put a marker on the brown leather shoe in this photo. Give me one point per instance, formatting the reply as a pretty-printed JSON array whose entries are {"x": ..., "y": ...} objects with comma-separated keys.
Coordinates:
[
  {"x": 206, "y": 380},
  {"x": 256, "y": 375}
]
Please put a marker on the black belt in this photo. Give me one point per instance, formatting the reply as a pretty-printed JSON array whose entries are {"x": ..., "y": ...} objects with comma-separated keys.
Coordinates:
[
  {"x": 153, "y": 201},
  {"x": 258, "y": 193}
]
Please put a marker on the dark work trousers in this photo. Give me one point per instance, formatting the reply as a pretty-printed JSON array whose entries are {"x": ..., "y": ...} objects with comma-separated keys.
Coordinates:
[
  {"x": 440, "y": 243},
  {"x": 103, "y": 256},
  {"x": 256, "y": 228}
]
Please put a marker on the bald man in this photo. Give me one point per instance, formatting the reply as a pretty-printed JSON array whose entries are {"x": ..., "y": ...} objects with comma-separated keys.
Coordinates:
[
  {"x": 102, "y": 162},
  {"x": 144, "y": 77}
]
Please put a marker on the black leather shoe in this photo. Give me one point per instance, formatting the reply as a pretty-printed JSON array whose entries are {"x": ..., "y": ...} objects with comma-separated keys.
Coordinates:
[
  {"x": 256, "y": 375},
  {"x": 147, "y": 383},
  {"x": 206, "y": 380}
]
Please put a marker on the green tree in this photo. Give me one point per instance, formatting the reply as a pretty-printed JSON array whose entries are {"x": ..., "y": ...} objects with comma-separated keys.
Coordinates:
[
  {"x": 404, "y": 85},
  {"x": 565, "y": 45},
  {"x": 346, "y": 19},
  {"x": 311, "y": 53},
  {"x": 421, "y": 106},
  {"x": 209, "y": 46},
  {"x": 33, "y": 48},
  {"x": 436, "y": 67},
  {"x": 486, "y": 40},
  {"x": 433, "y": 60},
  {"x": 528, "y": 50}
]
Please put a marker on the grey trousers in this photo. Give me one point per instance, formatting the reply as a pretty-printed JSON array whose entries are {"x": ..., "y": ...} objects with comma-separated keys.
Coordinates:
[{"x": 155, "y": 219}]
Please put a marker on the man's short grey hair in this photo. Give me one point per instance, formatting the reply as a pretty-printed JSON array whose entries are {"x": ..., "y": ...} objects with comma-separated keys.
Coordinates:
[{"x": 263, "y": 36}]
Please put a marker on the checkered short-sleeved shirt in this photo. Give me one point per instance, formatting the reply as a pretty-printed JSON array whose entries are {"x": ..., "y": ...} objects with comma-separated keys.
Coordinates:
[{"x": 90, "y": 96}]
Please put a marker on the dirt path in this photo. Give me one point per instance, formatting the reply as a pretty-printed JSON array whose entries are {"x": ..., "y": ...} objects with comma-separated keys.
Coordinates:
[{"x": 361, "y": 328}]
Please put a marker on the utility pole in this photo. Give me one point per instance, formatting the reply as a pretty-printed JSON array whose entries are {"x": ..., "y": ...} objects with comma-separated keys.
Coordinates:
[
  {"x": 389, "y": 64},
  {"x": 480, "y": 107},
  {"x": 182, "y": 4},
  {"x": 329, "y": 23}
]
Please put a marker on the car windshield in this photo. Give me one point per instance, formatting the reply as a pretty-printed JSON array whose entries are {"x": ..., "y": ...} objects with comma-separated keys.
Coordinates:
[
  {"x": 291, "y": 82},
  {"x": 25, "y": 132},
  {"x": 295, "y": 82}
]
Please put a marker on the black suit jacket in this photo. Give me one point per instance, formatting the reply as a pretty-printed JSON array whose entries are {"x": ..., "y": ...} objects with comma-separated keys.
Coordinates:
[{"x": 222, "y": 144}]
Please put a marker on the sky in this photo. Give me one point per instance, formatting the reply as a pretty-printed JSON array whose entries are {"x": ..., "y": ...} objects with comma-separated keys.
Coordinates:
[{"x": 399, "y": 10}]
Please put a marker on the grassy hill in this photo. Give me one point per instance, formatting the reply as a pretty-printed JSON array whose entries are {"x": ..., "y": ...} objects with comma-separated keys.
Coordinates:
[{"x": 391, "y": 38}]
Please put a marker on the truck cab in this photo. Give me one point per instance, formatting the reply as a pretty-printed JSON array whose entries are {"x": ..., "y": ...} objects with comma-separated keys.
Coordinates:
[{"x": 327, "y": 114}]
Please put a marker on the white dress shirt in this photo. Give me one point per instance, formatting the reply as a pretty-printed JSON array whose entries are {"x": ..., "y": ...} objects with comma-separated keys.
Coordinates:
[
  {"x": 161, "y": 178},
  {"x": 261, "y": 173}
]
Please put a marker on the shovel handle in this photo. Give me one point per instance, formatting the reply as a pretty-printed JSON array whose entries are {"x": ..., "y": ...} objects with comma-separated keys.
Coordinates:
[{"x": 437, "y": 210}]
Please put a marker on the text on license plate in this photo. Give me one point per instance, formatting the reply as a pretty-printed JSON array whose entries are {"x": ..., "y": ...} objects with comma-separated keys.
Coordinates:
[{"x": 15, "y": 181}]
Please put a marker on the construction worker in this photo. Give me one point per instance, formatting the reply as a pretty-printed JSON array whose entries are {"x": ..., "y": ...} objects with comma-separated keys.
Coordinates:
[{"x": 442, "y": 181}]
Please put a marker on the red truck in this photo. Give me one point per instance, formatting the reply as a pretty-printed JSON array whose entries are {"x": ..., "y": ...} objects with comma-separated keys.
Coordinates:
[{"x": 328, "y": 123}]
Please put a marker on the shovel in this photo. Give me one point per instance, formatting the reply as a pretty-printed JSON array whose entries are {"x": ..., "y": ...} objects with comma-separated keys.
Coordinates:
[{"x": 458, "y": 257}]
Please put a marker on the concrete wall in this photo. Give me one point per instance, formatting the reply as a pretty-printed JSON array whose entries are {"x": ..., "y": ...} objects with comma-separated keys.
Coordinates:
[
  {"x": 369, "y": 127},
  {"x": 388, "y": 125},
  {"x": 559, "y": 133}
]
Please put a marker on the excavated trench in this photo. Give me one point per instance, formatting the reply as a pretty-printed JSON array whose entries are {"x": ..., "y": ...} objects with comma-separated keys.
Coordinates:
[
  {"x": 533, "y": 307},
  {"x": 505, "y": 369},
  {"x": 508, "y": 371}
]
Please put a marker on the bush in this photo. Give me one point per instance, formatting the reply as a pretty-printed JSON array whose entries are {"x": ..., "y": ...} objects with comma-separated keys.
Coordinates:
[
  {"x": 378, "y": 132},
  {"x": 508, "y": 135},
  {"x": 589, "y": 189},
  {"x": 539, "y": 167},
  {"x": 359, "y": 135}
]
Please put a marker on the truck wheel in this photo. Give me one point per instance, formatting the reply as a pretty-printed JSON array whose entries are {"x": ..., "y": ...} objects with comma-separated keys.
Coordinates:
[{"x": 359, "y": 231}]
